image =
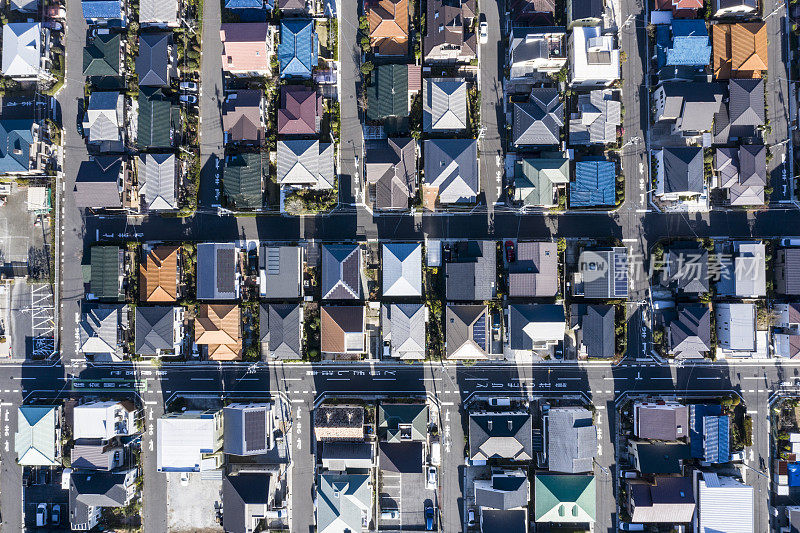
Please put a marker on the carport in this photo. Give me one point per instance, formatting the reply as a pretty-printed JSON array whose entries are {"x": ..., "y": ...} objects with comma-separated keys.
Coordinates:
[{"x": 402, "y": 484}]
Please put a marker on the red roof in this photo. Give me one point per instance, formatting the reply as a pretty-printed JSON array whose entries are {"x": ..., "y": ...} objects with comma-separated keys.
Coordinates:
[{"x": 300, "y": 108}]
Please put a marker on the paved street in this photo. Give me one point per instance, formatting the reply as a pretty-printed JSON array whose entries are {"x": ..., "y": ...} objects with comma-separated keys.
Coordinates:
[
  {"x": 491, "y": 59},
  {"x": 212, "y": 95},
  {"x": 351, "y": 147}
]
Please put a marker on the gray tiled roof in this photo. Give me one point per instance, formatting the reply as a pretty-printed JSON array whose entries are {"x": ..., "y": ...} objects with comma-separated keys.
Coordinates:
[
  {"x": 158, "y": 11},
  {"x": 403, "y": 327},
  {"x": 596, "y": 328},
  {"x": 686, "y": 269},
  {"x": 746, "y": 104},
  {"x": 153, "y": 61},
  {"x": 444, "y": 105},
  {"x": 534, "y": 273},
  {"x": 452, "y": 166},
  {"x": 306, "y": 163},
  {"x": 597, "y": 119},
  {"x": 465, "y": 327},
  {"x": 154, "y": 329},
  {"x": 402, "y": 269},
  {"x": 604, "y": 272},
  {"x": 693, "y": 103},
  {"x": 216, "y": 271},
  {"x": 506, "y": 490},
  {"x": 500, "y": 436},
  {"x": 99, "y": 328},
  {"x": 787, "y": 271},
  {"x": 94, "y": 489},
  {"x": 690, "y": 332},
  {"x": 539, "y": 121},
  {"x": 390, "y": 165},
  {"x": 281, "y": 332},
  {"x": 571, "y": 440},
  {"x": 472, "y": 275},
  {"x": 96, "y": 185},
  {"x": 341, "y": 272},
  {"x": 683, "y": 170},
  {"x": 157, "y": 180}
]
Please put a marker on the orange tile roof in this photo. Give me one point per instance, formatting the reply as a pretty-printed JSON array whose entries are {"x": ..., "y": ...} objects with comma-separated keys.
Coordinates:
[
  {"x": 388, "y": 26},
  {"x": 158, "y": 275},
  {"x": 244, "y": 47},
  {"x": 739, "y": 50},
  {"x": 218, "y": 327}
]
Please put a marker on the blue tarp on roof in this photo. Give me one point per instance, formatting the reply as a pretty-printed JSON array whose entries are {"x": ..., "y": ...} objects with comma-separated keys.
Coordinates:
[
  {"x": 594, "y": 184},
  {"x": 697, "y": 412},
  {"x": 794, "y": 474},
  {"x": 101, "y": 9},
  {"x": 15, "y": 145},
  {"x": 690, "y": 43},
  {"x": 297, "y": 51},
  {"x": 663, "y": 41}
]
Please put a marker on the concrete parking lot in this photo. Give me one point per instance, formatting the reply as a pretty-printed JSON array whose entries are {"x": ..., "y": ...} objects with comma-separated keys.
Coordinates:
[
  {"x": 20, "y": 238},
  {"x": 31, "y": 320},
  {"x": 402, "y": 487},
  {"x": 45, "y": 487},
  {"x": 193, "y": 507}
]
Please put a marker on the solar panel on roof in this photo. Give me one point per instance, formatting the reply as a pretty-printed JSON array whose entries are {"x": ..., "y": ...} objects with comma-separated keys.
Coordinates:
[
  {"x": 225, "y": 275},
  {"x": 479, "y": 332},
  {"x": 255, "y": 430},
  {"x": 620, "y": 274}
]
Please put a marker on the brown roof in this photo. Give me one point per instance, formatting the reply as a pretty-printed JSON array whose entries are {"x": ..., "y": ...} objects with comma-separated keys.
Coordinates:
[
  {"x": 740, "y": 50},
  {"x": 300, "y": 108},
  {"x": 388, "y": 26},
  {"x": 218, "y": 327},
  {"x": 158, "y": 275},
  {"x": 241, "y": 115},
  {"x": 335, "y": 322},
  {"x": 414, "y": 78}
]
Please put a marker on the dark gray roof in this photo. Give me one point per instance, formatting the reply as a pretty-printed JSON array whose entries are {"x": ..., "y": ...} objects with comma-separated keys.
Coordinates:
[
  {"x": 390, "y": 165},
  {"x": 343, "y": 455},
  {"x": 660, "y": 457},
  {"x": 690, "y": 331},
  {"x": 583, "y": 9},
  {"x": 515, "y": 521},
  {"x": 504, "y": 491},
  {"x": 216, "y": 271},
  {"x": 341, "y": 272},
  {"x": 452, "y": 166},
  {"x": 534, "y": 272},
  {"x": 604, "y": 272},
  {"x": 571, "y": 440},
  {"x": 746, "y": 104},
  {"x": 597, "y": 330},
  {"x": 153, "y": 61},
  {"x": 686, "y": 269},
  {"x": 402, "y": 457},
  {"x": 403, "y": 326},
  {"x": 247, "y": 428},
  {"x": 448, "y": 30},
  {"x": 154, "y": 329},
  {"x": 787, "y": 271},
  {"x": 281, "y": 267},
  {"x": 539, "y": 121},
  {"x": 500, "y": 436},
  {"x": 466, "y": 326},
  {"x": 245, "y": 498},
  {"x": 472, "y": 275},
  {"x": 281, "y": 331},
  {"x": 96, "y": 185},
  {"x": 521, "y": 315},
  {"x": 683, "y": 170},
  {"x": 94, "y": 454},
  {"x": 695, "y": 104},
  {"x": 94, "y": 489}
]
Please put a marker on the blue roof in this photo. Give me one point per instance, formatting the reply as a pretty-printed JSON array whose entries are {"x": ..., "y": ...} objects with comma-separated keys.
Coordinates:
[
  {"x": 697, "y": 412},
  {"x": 244, "y": 4},
  {"x": 594, "y": 184},
  {"x": 690, "y": 43},
  {"x": 794, "y": 474},
  {"x": 15, "y": 145},
  {"x": 101, "y": 9},
  {"x": 716, "y": 442},
  {"x": 297, "y": 51}
]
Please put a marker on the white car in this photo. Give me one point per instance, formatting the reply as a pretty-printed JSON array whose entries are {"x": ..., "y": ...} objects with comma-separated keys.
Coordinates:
[
  {"x": 431, "y": 478},
  {"x": 188, "y": 86},
  {"x": 189, "y": 98},
  {"x": 483, "y": 31},
  {"x": 41, "y": 515}
]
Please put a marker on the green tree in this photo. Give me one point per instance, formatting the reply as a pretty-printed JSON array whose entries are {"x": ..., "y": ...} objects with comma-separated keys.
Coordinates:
[{"x": 367, "y": 67}]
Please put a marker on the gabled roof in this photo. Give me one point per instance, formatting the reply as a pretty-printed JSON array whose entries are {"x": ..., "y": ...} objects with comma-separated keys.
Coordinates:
[
  {"x": 157, "y": 181},
  {"x": 388, "y": 26},
  {"x": 595, "y": 184},
  {"x": 466, "y": 331},
  {"x": 390, "y": 165},
  {"x": 392, "y": 417},
  {"x": 101, "y": 55},
  {"x": 690, "y": 332},
  {"x": 666, "y": 500},
  {"x": 158, "y": 11},
  {"x": 787, "y": 274},
  {"x": 343, "y": 502},
  {"x": 99, "y": 329},
  {"x": 16, "y": 137},
  {"x": 444, "y": 106},
  {"x": 153, "y": 61},
  {"x": 104, "y": 117},
  {"x": 683, "y": 169},
  {"x": 246, "y": 498},
  {"x": 106, "y": 263},
  {"x": 534, "y": 272},
  {"x": 101, "y": 9},
  {"x": 564, "y": 498},
  {"x": 531, "y": 325},
  {"x": 242, "y": 180},
  {"x": 35, "y": 439},
  {"x": 154, "y": 329},
  {"x": 300, "y": 110},
  {"x": 90, "y": 490},
  {"x": 690, "y": 43},
  {"x": 156, "y": 116},
  {"x": 292, "y": 5},
  {"x": 539, "y": 121},
  {"x": 740, "y": 50},
  {"x": 472, "y": 275},
  {"x": 403, "y": 326},
  {"x": 571, "y": 440},
  {"x": 506, "y": 435},
  {"x": 242, "y": 116},
  {"x": 22, "y": 42},
  {"x": 281, "y": 330},
  {"x": 158, "y": 275},
  {"x": 245, "y": 47},
  {"x": 342, "y": 329},
  {"x": 597, "y": 119},
  {"x": 297, "y": 51},
  {"x": 341, "y": 272},
  {"x": 451, "y": 166},
  {"x": 305, "y": 163},
  {"x": 402, "y": 269},
  {"x": 597, "y": 329},
  {"x": 387, "y": 95},
  {"x": 701, "y": 443},
  {"x": 218, "y": 327},
  {"x": 216, "y": 271}
]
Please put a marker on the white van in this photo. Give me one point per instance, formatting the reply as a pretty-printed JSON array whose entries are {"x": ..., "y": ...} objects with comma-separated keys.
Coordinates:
[{"x": 436, "y": 453}]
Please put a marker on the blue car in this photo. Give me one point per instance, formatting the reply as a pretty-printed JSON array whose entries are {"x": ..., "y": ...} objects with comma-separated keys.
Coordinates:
[{"x": 429, "y": 518}]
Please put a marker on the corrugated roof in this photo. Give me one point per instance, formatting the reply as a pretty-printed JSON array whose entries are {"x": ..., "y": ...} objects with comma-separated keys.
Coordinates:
[
  {"x": 242, "y": 180},
  {"x": 444, "y": 105},
  {"x": 595, "y": 184},
  {"x": 157, "y": 181},
  {"x": 101, "y": 9},
  {"x": 106, "y": 272},
  {"x": 156, "y": 115},
  {"x": 387, "y": 96}
]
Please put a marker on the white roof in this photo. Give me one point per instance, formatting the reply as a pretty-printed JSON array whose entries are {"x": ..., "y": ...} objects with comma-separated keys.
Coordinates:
[
  {"x": 736, "y": 324},
  {"x": 592, "y": 55},
  {"x": 37, "y": 198},
  {"x": 22, "y": 44},
  {"x": 183, "y": 440},
  {"x": 725, "y": 505},
  {"x": 104, "y": 116},
  {"x": 94, "y": 420}
]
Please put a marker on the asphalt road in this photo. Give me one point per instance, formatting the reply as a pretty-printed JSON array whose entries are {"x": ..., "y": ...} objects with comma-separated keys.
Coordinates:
[
  {"x": 491, "y": 60},
  {"x": 212, "y": 94},
  {"x": 351, "y": 147}
]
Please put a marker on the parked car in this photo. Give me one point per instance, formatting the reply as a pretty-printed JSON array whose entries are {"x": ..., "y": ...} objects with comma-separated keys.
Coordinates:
[
  {"x": 390, "y": 514},
  {"x": 41, "y": 515},
  {"x": 471, "y": 518},
  {"x": 188, "y": 86},
  {"x": 624, "y": 526},
  {"x": 429, "y": 518},
  {"x": 55, "y": 515},
  {"x": 447, "y": 252},
  {"x": 436, "y": 453},
  {"x": 53, "y": 25},
  {"x": 188, "y": 99},
  {"x": 431, "y": 480},
  {"x": 511, "y": 255},
  {"x": 483, "y": 29}
]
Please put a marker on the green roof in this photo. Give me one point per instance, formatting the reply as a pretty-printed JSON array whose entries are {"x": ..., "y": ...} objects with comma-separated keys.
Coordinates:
[
  {"x": 105, "y": 272},
  {"x": 534, "y": 179},
  {"x": 35, "y": 440},
  {"x": 155, "y": 119},
  {"x": 101, "y": 57},
  {"x": 388, "y": 94},
  {"x": 392, "y": 416},
  {"x": 565, "y": 498},
  {"x": 241, "y": 180}
]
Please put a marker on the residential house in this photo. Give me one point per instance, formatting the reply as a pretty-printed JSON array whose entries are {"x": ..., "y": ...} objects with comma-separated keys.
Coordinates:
[
  {"x": 449, "y": 35},
  {"x": 100, "y": 182},
  {"x": 709, "y": 432},
  {"x": 18, "y": 145},
  {"x": 342, "y": 455},
  {"x": 735, "y": 8},
  {"x": 158, "y": 13},
  {"x": 341, "y": 272},
  {"x": 602, "y": 273},
  {"x": 504, "y": 491},
  {"x": 742, "y": 173},
  {"x": 281, "y": 331},
  {"x": 306, "y": 163},
  {"x": 104, "y": 119},
  {"x": 102, "y": 55},
  {"x": 786, "y": 330},
  {"x": 159, "y": 275},
  {"x": 511, "y": 521},
  {"x": 467, "y": 332},
  {"x": 292, "y": 6},
  {"x": 37, "y": 441},
  {"x": 594, "y": 59},
  {"x": 246, "y": 48},
  {"x": 98, "y": 331},
  {"x": 242, "y": 181},
  {"x": 658, "y": 457},
  {"x": 22, "y": 50},
  {"x": 159, "y": 331},
  {"x": 342, "y": 331},
  {"x": 571, "y": 440},
  {"x": 740, "y": 50},
  {"x": 91, "y": 492},
  {"x": 189, "y": 441},
  {"x": 787, "y": 271},
  {"x": 243, "y": 116},
  {"x": 749, "y": 270},
  {"x": 158, "y": 119},
  {"x": 280, "y": 271},
  {"x": 156, "y": 62},
  {"x": 218, "y": 332},
  {"x": 217, "y": 278},
  {"x": 690, "y": 332},
  {"x": 344, "y": 502},
  {"x": 103, "y": 420},
  {"x": 338, "y": 423},
  {"x": 248, "y": 428},
  {"x": 681, "y": 9},
  {"x": 679, "y": 173},
  {"x": 597, "y": 118},
  {"x": 506, "y": 435},
  {"x": 531, "y": 12},
  {"x": 665, "y": 500},
  {"x": 538, "y": 121},
  {"x": 689, "y": 107},
  {"x": 723, "y": 504},
  {"x": 97, "y": 454},
  {"x": 536, "y": 50},
  {"x": 388, "y": 95},
  {"x": 565, "y": 498},
  {"x": 594, "y": 330},
  {"x": 535, "y": 329},
  {"x": 406, "y": 422},
  {"x": 451, "y": 171},
  {"x": 247, "y": 497},
  {"x": 584, "y": 12},
  {"x": 157, "y": 181},
  {"x": 689, "y": 45},
  {"x": 539, "y": 181},
  {"x": 742, "y": 115},
  {"x": 107, "y": 273},
  {"x": 403, "y": 327},
  {"x": 685, "y": 270},
  {"x": 736, "y": 329},
  {"x": 534, "y": 271},
  {"x": 594, "y": 185},
  {"x": 660, "y": 420},
  {"x": 297, "y": 51},
  {"x": 388, "y": 26},
  {"x": 471, "y": 275},
  {"x": 390, "y": 170},
  {"x": 300, "y": 110},
  {"x": 402, "y": 269},
  {"x": 110, "y": 13},
  {"x": 24, "y": 6},
  {"x": 444, "y": 105}
]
